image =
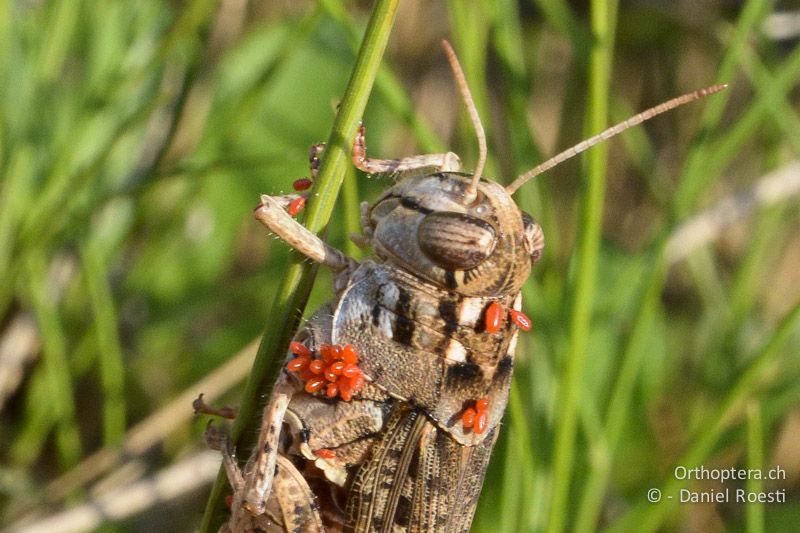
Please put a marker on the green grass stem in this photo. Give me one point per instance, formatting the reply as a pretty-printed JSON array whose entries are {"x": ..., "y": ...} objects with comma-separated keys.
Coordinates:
[
  {"x": 755, "y": 462},
  {"x": 109, "y": 350},
  {"x": 571, "y": 383}
]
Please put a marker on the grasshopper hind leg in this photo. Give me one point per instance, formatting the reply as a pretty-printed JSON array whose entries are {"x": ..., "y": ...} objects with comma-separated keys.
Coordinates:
[
  {"x": 292, "y": 507},
  {"x": 288, "y": 504},
  {"x": 447, "y": 162}
]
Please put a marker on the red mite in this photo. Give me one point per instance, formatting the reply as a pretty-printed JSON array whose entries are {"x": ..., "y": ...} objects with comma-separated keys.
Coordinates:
[
  {"x": 494, "y": 317},
  {"x": 481, "y": 422},
  {"x": 295, "y": 206},
  {"x": 298, "y": 348},
  {"x": 345, "y": 392},
  {"x": 314, "y": 385},
  {"x": 468, "y": 418},
  {"x": 317, "y": 366},
  {"x": 325, "y": 453},
  {"x": 302, "y": 184},
  {"x": 349, "y": 354},
  {"x": 297, "y": 364},
  {"x": 520, "y": 320}
]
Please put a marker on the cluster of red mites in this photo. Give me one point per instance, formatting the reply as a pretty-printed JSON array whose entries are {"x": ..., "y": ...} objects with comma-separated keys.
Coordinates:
[
  {"x": 336, "y": 369},
  {"x": 495, "y": 315},
  {"x": 476, "y": 417}
]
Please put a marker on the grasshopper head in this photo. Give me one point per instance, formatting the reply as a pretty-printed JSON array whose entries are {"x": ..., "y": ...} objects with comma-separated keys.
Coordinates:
[{"x": 483, "y": 247}]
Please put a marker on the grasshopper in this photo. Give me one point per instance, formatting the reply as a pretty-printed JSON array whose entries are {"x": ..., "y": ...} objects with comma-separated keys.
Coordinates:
[{"x": 390, "y": 400}]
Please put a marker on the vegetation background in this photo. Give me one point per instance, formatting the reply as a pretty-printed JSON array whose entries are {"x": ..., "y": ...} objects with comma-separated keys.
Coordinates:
[{"x": 135, "y": 138}]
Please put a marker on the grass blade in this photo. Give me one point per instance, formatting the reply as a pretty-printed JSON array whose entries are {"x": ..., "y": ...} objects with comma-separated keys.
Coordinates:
[{"x": 603, "y": 24}]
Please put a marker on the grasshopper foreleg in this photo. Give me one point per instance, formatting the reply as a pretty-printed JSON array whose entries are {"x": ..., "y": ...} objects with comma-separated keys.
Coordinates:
[{"x": 272, "y": 213}]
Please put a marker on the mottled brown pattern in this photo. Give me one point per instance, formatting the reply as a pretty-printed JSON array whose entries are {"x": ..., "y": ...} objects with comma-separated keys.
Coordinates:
[{"x": 417, "y": 371}]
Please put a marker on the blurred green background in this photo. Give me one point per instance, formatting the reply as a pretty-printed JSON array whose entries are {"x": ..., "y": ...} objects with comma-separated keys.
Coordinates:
[{"x": 135, "y": 138}]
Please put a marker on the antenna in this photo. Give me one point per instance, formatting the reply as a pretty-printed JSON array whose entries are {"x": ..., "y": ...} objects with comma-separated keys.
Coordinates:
[
  {"x": 463, "y": 88},
  {"x": 610, "y": 132}
]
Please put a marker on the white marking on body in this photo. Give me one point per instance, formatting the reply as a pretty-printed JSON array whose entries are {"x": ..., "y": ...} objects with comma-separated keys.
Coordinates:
[
  {"x": 307, "y": 452},
  {"x": 512, "y": 344},
  {"x": 470, "y": 311},
  {"x": 334, "y": 473},
  {"x": 455, "y": 351},
  {"x": 385, "y": 324}
]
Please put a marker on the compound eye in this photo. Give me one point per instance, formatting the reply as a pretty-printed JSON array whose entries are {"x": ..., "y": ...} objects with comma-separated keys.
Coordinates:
[{"x": 456, "y": 241}]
